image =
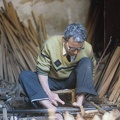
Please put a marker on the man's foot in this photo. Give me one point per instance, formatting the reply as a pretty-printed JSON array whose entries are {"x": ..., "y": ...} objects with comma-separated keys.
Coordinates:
[{"x": 75, "y": 104}]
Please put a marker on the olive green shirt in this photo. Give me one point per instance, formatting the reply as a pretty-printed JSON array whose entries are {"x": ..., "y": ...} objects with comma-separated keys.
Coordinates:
[{"x": 51, "y": 61}]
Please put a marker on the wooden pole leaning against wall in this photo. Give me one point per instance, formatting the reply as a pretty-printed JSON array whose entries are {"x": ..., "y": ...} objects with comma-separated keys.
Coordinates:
[
  {"x": 4, "y": 72},
  {"x": 38, "y": 28},
  {"x": 29, "y": 63},
  {"x": 19, "y": 35},
  {"x": 11, "y": 13},
  {"x": 12, "y": 43},
  {"x": 43, "y": 27},
  {"x": 33, "y": 31},
  {"x": 29, "y": 39},
  {"x": 8, "y": 62},
  {"x": 1, "y": 52},
  {"x": 22, "y": 41}
]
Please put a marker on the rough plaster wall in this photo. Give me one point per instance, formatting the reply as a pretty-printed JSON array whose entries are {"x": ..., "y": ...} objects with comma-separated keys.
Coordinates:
[{"x": 57, "y": 13}]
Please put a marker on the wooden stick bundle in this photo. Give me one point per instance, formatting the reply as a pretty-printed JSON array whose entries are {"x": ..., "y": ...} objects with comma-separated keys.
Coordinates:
[{"x": 19, "y": 44}]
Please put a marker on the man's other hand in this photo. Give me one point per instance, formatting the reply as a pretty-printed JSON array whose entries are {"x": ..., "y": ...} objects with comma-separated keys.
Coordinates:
[{"x": 54, "y": 99}]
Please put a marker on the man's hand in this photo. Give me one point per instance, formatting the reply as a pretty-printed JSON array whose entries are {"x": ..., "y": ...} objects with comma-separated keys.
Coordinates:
[{"x": 54, "y": 99}]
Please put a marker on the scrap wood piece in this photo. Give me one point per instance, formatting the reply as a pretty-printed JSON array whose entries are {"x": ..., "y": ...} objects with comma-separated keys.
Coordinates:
[
  {"x": 108, "y": 80},
  {"x": 97, "y": 106}
]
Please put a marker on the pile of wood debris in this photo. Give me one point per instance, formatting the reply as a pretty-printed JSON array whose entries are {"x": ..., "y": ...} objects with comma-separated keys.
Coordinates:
[{"x": 19, "y": 44}]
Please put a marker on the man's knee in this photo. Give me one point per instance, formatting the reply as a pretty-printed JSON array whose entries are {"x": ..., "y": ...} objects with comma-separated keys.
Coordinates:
[
  {"x": 86, "y": 61},
  {"x": 23, "y": 75}
]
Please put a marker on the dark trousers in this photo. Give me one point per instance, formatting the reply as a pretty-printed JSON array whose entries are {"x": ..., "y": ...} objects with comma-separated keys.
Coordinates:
[{"x": 81, "y": 78}]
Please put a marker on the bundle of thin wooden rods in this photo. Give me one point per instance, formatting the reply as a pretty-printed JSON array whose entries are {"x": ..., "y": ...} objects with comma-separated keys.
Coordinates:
[
  {"x": 107, "y": 79},
  {"x": 19, "y": 44}
]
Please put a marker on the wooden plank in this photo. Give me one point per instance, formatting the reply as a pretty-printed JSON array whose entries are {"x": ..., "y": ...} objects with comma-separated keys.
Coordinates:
[
  {"x": 116, "y": 88},
  {"x": 113, "y": 60},
  {"x": 108, "y": 80}
]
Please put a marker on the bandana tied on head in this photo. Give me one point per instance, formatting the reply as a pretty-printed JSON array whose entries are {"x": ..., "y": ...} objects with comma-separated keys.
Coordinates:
[{"x": 77, "y": 31}]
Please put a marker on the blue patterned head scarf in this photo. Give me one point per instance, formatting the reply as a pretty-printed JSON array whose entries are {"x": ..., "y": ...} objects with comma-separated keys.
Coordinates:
[{"x": 77, "y": 31}]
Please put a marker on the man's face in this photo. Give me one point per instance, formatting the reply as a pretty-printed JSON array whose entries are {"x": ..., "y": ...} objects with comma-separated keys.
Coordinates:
[{"x": 72, "y": 47}]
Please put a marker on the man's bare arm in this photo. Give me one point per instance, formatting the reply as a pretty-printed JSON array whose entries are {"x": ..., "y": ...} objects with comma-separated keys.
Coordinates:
[{"x": 53, "y": 97}]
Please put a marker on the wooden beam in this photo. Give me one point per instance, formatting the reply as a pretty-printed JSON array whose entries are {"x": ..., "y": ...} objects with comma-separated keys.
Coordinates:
[
  {"x": 108, "y": 80},
  {"x": 112, "y": 63},
  {"x": 115, "y": 90}
]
